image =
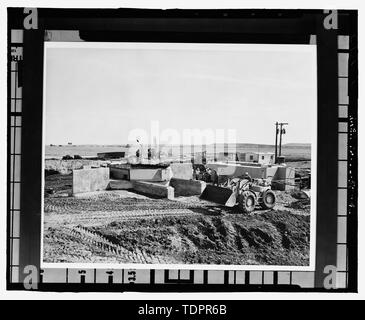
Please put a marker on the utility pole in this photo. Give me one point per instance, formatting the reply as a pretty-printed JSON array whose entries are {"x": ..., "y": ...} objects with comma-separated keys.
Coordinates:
[
  {"x": 276, "y": 139},
  {"x": 282, "y": 131}
]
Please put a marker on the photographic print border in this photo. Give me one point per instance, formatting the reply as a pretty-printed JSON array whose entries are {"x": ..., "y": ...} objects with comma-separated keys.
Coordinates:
[
  {"x": 60, "y": 44},
  {"x": 337, "y": 140}
]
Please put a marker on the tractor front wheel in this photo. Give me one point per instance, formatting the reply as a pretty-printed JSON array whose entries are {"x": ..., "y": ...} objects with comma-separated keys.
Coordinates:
[
  {"x": 247, "y": 202},
  {"x": 268, "y": 199}
]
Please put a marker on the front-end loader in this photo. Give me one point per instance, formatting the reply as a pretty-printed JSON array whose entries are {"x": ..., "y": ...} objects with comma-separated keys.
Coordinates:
[{"x": 245, "y": 193}]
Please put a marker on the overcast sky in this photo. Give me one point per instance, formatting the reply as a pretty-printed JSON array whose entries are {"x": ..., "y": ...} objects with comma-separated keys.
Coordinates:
[{"x": 99, "y": 93}]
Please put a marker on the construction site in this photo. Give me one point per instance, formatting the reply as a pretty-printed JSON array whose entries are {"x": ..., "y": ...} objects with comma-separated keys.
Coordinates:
[{"x": 242, "y": 208}]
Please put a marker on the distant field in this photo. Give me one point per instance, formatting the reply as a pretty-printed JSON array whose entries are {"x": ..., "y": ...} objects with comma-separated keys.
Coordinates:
[
  {"x": 81, "y": 150},
  {"x": 301, "y": 152}
]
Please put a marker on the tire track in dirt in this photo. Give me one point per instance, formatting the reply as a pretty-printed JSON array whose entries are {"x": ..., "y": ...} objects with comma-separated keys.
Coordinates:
[
  {"x": 60, "y": 205},
  {"x": 101, "y": 217},
  {"x": 97, "y": 240},
  {"x": 50, "y": 207}
]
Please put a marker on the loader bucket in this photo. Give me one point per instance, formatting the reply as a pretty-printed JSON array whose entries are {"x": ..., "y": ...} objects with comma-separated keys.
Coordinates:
[{"x": 220, "y": 195}]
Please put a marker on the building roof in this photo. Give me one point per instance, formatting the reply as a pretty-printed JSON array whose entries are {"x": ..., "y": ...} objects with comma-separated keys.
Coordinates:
[{"x": 252, "y": 152}]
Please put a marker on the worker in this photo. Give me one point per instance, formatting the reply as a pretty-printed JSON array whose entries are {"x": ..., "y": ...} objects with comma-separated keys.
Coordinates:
[
  {"x": 197, "y": 174},
  {"x": 247, "y": 177},
  {"x": 213, "y": 176}
]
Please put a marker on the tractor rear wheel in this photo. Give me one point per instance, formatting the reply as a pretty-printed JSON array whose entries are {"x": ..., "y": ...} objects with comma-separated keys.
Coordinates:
[
  {"x": 268, "y": 199},
  {"x": 247, "y": 202}
]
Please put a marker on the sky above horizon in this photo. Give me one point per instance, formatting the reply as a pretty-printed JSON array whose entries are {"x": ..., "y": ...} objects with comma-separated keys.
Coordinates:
[{"x": 101, "y": 93}]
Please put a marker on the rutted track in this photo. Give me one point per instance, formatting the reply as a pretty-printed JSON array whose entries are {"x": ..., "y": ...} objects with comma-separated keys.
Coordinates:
[
  {"x": 100, "y": 217},
  {"x": 88, "y": 212},
  {"x": 97, "y": 244},
  {"x": 71, "y": 205},
  {"x": 70, "y": 226},
  {"x": 94, "y": 239}
]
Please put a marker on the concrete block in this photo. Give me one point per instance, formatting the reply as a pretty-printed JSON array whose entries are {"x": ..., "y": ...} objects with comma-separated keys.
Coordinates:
[
  {"x": 87, "y": 180},
  {"x": 270, "y": 172},
  {"x": 284, "y": 178},
  {"x": 154, "y": 189},
  {"x": 156, "y": 174},
  {"x": 182, "y": 170},
  {"x": 234, "y": 170},
  {"x": 187, "y": 187},
  {"x": 120, "y": 185}
]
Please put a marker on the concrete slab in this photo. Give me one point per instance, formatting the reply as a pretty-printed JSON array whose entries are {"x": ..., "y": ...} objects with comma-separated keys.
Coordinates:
[
  {"x": 140, "y": 173},
  {"x": 187, "y": 187},
  {"x": 234, "y": 170},
  {"x": 182, "y": 170},
  {"x": 157, "y": 174},
  {"x": 120, "y": 185},
  {"x": 154, "y": 189},
  {"x": 87, "y": 180}
]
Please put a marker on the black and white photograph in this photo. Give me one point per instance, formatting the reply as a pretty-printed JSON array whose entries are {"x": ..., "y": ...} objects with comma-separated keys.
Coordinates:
[
  {"x": 180, "y": 150},
  {"x": 179, "y": 154}
]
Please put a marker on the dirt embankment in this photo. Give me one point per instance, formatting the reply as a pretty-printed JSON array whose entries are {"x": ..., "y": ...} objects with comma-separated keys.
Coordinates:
[
  {"x": 122, "y": 228},
  {"x": 273, "y": 238}
]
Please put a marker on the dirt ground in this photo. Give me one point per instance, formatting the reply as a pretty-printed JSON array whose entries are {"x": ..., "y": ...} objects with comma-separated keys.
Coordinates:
[{"x": 124, "y": 227}]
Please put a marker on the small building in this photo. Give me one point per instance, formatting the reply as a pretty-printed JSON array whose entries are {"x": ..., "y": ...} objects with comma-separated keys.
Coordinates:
[
  {"x": 257, "y": 157},
  {"x": 226, "y": 156}
]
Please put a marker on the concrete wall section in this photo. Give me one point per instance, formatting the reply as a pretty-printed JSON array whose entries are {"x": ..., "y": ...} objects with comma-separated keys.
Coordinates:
[
  {"x": 187, "y": 187},
  {"x": 120, "y": 185},
  {"x": 154, "y": 189},
  {"x": 119, "y": 173},
  {"x": 86, "y": 180},
  {"x": 271, "y": 172},
  {"x": 140, "y": 174},
  {"x": 182, "y": 170},
  {"x": 231, "y": 170},
  {"x": 157, "y": 175},
  {"x": 284, "y": 179}
]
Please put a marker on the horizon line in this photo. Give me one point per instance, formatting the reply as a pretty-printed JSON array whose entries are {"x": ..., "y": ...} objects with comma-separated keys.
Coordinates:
[{"x": 177, "y": 145}]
